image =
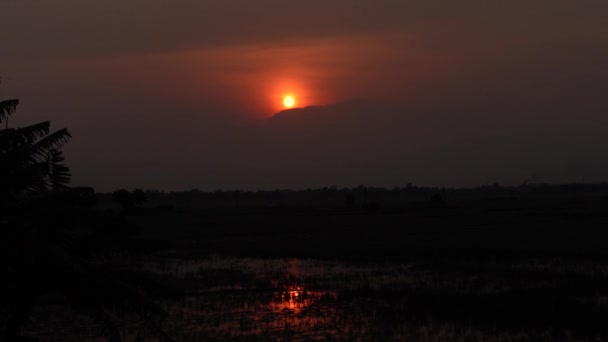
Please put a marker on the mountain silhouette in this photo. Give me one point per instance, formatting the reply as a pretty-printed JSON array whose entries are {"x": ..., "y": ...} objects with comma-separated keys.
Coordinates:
[
  {"x": 346, "y": 143},
  {"x": 340, "y": 114},
  {"x": 355, "y": 121},
  {"x": 362, "y": 141}
]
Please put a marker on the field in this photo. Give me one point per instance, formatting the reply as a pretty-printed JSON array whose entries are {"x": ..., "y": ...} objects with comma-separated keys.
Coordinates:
[{"x": 504, "y": 266}]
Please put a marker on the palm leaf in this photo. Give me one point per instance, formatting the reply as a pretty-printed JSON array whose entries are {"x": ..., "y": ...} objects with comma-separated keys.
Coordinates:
[
  {"x": 34, "y": 132},
  {"x": 7, "y": 108},
  {"x": 11, "y": 138},
  {"x": 54, "y": 140},
  {"x": 59, "y": 175}
]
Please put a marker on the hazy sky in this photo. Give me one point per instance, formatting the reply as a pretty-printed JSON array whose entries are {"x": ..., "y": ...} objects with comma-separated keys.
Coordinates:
[{"x": 180, "y": 94}]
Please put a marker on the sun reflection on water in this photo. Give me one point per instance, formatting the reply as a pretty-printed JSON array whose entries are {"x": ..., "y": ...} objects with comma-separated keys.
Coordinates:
[
  {"x": 294, "y": 299},
  {"x": 277, "y": 299}
]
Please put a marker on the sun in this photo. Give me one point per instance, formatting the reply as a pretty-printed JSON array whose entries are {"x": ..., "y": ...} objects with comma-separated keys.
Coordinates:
[{"x": 289, "y": 101}]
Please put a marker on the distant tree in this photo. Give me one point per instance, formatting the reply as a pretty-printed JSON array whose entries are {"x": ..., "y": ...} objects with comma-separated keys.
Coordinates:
[
  {"x": 83, "y": 196},
  {"x": 139, "y": 196},
  {"x": 124, "y": 198}
]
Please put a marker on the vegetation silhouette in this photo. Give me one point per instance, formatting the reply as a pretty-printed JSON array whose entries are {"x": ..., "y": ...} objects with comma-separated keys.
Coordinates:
[
  {"x": 129, "y": 200},
  {"x": 31, "y": 158},
  {"x": 54, "y": 244}
]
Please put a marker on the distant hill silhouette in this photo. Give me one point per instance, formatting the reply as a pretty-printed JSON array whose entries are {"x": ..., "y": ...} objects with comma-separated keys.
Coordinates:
[
  {"x": 352, "y": 123},
  {"x": 346, "y": 143},
  {"x": 360, "y": 141},
  {"x": 342, "y": 114}
]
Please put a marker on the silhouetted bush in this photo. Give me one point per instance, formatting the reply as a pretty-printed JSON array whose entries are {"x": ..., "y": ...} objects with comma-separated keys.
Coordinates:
[
  {"x": 124, "y": 198},
  {"x": 139, "y": 196}
]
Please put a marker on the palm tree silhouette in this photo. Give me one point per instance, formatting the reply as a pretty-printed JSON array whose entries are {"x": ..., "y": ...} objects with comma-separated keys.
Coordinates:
[
  {"x": 31, "y": 160},
  {"x": 45, "y": 244}
]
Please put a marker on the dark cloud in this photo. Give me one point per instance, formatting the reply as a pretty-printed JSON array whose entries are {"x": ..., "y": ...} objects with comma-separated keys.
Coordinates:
[{"x": 36, "y": 28}]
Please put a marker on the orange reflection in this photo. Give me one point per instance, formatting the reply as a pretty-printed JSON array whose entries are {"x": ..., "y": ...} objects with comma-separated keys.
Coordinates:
[{"x": 293, "y": 299}]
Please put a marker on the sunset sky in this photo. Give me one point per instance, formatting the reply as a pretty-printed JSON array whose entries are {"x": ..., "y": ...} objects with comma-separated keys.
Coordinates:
[{"x": 181, "y": 94}]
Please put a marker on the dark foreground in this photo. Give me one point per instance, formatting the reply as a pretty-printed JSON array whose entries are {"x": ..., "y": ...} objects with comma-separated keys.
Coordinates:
[{"x": 491, "y": 265}]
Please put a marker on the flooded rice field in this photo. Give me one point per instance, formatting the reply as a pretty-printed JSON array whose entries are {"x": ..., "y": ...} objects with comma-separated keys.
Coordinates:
[
  {"x": 295, "y": 299},
  {"x": 278, "y": 299},
  {"x": 314, "y": 300},
  {"x": 500, "y": 270}
]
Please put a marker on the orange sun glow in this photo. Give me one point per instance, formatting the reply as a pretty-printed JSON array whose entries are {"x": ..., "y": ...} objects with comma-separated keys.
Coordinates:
[{"x": 289, "y": 101}]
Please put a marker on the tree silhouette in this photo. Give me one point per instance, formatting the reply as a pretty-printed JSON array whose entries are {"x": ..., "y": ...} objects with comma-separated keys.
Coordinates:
[
  {"x": 139, "y": 196},
  {"x": 124, "y": 198},
  {"x": 31, "y": 161},
  {"x": 45, "y": 244}
]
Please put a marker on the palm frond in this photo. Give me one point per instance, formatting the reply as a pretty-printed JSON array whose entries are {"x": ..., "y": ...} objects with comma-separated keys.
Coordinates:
[
  {"x": 7, "y": 108},
  {"x": 59, "y": 175},
  {"x": 34, "y": 132},
  {"x": 54, "y": 140},
  {"x": 12, "y": 138}
]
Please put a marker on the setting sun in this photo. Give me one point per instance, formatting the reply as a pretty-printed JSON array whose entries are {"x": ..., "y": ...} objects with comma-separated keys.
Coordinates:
[{"x": 289, "y": 101}]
